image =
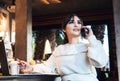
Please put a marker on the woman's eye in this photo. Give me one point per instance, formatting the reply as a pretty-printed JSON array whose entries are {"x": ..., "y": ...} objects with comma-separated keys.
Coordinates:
[
  {"x": 71, "y": 21},
  {"x": 79, "y": 22}
]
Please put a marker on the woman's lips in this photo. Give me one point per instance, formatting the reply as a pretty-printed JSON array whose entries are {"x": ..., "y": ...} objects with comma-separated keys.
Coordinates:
[{"x": 76, "y": 29}]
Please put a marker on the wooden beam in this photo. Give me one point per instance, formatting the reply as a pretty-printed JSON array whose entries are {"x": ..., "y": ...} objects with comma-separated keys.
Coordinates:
[
  {"x": 116, "y": 9},
  {"x": 23, "y": 18}
]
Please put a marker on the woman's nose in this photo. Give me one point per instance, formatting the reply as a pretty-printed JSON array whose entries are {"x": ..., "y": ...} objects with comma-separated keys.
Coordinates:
[{"x": 75, "y": 24}]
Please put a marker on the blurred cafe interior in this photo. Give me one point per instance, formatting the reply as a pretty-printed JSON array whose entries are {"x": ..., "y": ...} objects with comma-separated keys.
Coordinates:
[{"x": 31, "y": 29}]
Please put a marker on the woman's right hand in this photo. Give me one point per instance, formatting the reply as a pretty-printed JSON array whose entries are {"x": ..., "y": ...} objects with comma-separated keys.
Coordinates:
[{"x": 24, "y": 66}]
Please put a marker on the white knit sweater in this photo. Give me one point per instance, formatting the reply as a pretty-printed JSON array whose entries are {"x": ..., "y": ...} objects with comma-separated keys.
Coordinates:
[{"x": 75, "y": 62}]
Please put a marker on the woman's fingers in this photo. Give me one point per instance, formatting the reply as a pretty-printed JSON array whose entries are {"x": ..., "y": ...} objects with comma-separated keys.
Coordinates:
[
  {"x": 24, "y": 66},
  {"x": 89, "y": 31}
]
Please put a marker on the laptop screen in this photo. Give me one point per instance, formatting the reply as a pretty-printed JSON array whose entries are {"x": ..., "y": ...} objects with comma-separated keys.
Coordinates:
[{"x": 3, "y": 59}]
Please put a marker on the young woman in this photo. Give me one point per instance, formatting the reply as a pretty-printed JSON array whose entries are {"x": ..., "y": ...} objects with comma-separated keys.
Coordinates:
[{"x": 74, "y": 60}]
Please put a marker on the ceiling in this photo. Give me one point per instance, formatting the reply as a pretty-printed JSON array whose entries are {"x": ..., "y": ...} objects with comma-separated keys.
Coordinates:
[{"x": 66, "y": 6}]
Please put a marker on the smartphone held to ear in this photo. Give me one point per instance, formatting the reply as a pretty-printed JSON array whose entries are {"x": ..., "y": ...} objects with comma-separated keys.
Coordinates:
[{"x": 84, "y": 32}]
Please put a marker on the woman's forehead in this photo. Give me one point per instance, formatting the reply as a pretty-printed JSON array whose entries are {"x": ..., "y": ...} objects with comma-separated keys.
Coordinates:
[{"x": 75, "y": 17}]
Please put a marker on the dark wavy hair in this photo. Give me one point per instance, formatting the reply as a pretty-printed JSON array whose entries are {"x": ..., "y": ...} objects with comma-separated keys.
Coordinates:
[{"x": 65, "y": 22}]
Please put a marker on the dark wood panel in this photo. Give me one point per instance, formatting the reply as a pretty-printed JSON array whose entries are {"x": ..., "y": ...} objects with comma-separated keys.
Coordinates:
[{"x": 29, "y": 78}]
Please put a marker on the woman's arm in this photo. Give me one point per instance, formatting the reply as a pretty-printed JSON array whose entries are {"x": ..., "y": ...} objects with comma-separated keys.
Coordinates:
[
  {"x": 46, "y": 66},
  {"x": 96, "y": 52}
]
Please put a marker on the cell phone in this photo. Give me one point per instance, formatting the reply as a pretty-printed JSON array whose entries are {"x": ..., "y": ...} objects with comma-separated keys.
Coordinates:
[{"x": 84, "y": 32}]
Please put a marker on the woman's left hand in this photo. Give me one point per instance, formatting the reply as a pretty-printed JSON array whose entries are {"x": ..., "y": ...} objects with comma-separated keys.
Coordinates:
[{"x": 90, "y": 32}]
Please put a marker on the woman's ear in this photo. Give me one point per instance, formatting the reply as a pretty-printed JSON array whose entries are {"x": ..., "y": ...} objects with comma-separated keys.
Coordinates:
[{"x": 63, "y": 30}]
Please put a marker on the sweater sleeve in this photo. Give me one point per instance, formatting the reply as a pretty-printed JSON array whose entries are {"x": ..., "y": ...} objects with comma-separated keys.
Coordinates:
[
  {"x": 96, "y": 52},
  {"x": 46, "y": 67}
]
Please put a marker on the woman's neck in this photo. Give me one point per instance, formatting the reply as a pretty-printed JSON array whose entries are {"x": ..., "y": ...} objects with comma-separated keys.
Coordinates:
[{"x": 73, "y": 40}]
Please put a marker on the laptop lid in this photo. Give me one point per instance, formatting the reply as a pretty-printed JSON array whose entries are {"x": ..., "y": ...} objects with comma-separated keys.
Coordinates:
[{"x": 3, "y": 59}]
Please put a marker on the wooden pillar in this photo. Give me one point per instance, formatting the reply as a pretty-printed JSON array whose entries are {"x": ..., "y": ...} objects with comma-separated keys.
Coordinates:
[
  {"x": 23, "y": 18},
  {"x": 116, "y": 9}
]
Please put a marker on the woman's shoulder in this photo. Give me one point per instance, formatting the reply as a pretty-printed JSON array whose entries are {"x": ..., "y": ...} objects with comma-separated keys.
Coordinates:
[
  {"x": 58, "y": 50},
  {"x": 69, "y": 49},
  {"x": 61, "y": 46},
  {"x": 64, "y": 47}
]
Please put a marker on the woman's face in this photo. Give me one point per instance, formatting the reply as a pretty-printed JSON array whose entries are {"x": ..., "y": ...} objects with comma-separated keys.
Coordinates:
[{"x": 73, "y": 27}]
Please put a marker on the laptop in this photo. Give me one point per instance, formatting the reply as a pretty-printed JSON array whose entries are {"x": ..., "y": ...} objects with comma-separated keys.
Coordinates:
[{"x": 3, "y": 59}]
